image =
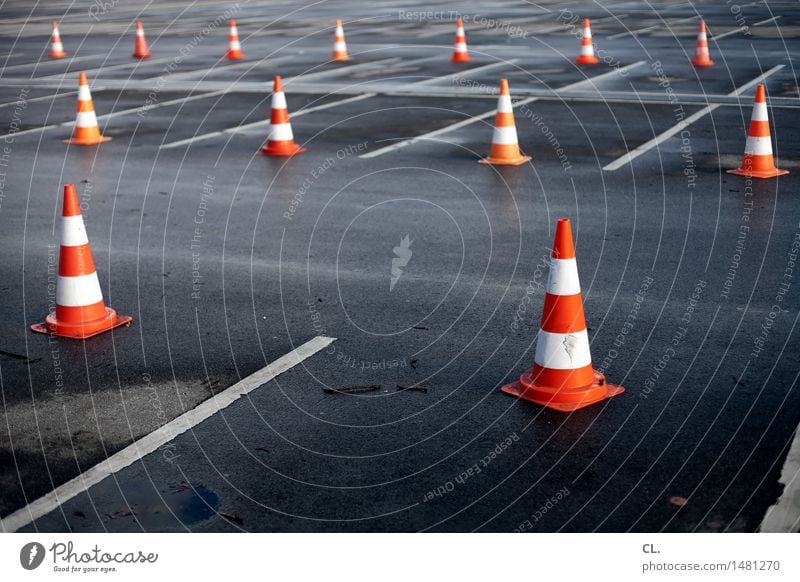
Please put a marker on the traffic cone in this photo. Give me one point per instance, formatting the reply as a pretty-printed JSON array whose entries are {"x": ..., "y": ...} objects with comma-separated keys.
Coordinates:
[
  {"x": 562, "y": 376},
  {"x": 234, "y": 48},
  {"x": 701, "y": 58},
  {"x": 505, "y": 148},
  {"x": 80, "y": 310},
  {"x": 460, "y": 54},
  {"x": 86, "y": 130},
  {"x": 56, "y": 48},
  {"x": 339, "y": 46},
  {"x": 587, "y": 48},
  {"x": 757, "y": 161},
  {"x": 140, "y": 50},
  {"x": 280, "y": 141}
]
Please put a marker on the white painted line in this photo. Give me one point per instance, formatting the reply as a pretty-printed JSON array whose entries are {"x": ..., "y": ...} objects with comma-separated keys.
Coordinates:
[
  {"x": 767, "y": 20},
  {"x": 340, "y": 71},
  {"x": 407, "y": 142},
  {"x": 66, "y": 61},
  {"x": 593, "y": 80},
  {"x": 150, "y": 443},
  {"x": 784, "y": 516},
  {"x": 144, "y": 108},
  {"x": 649, "y": 28},
  {"x": 102, "y": 69},
  {"x": 43, "y": 98},
  {"x": 684, "y": 123},
  {"x": 263, "y": 123},
  {"x": 205, "y": 136},
  {"x": 730, "y": 32},
  {"x": 222, "y": 67},
  {"x": 466, "y": 72}
]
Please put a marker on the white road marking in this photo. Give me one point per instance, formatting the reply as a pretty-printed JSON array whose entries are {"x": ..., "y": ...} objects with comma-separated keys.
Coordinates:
[
  {"x": 645, "y": 147},
  {"x": 784, "y": 516},
  {"x": 43, "y": 98},
  {"x": 767, "y": 20},
  {"x": 465, "y": 122},
  {"x": 239, "y": 128},
  {"x": 65, "y": 61},
  {"x": 124, "y": 111},
  {"x": 263, "y": 123},
  {"x": 649, "y": 28},
  {"x": 730, "y": 32},
  {"x": 102, "y": 69},
  {"x": 339, "y": 71},
  {"x": 221, "y": 67},
  {"x": 151, "y": 442},
  {"x": 593, "y": 80},
  {"x": 466, "y": 72},
  {"x": 438, "y": 132}
]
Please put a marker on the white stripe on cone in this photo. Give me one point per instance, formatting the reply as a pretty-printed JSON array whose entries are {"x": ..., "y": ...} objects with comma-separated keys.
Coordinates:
[
  {"x": 563, "y": 351},
  {"x": 504, "y": 104},
  {"x": 73, "y": 233},
  {"x": 86, "y": 119},
  {"x": 280, "y": 132},
  {"x": 587, "y": 50},
  {"x": 759, "y": 112},
  {"x": 84, "y": 94},
  {"x": 758, "y": 146},
  {"x": 563, "y": 277},
  {"x": 339, "y": 46},
  {"x": 505, "y": 135},
  {"x": 279, "y": 100},
  {"x": 235, "y": 46},
  {"x": 58, "y": 46},
  {"x": 461, "y": 47},
  {"x": 77, "y": 291}
]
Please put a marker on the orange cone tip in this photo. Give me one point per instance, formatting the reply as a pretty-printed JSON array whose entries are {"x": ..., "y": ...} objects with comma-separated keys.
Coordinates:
[
  {"x": 80, "y": 310},
  {"x": 562, "y": 376}
]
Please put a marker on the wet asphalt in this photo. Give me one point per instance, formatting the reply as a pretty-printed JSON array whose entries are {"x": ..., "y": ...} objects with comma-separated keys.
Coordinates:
[{"x": 228, "y": 259}]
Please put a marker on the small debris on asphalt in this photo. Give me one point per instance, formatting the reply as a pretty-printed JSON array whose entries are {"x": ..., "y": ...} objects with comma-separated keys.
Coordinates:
[
  {"x": 352, "y": 389},
  {"x": 412, "y": 389},
  {"x": 678, "y": 501}
]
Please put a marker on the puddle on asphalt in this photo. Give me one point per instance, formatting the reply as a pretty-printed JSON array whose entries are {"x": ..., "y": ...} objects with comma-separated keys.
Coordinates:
[{"x": 177, "y": 504}]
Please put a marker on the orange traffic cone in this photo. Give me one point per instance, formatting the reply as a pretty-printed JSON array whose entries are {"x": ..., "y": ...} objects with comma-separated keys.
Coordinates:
[
  {"x": 280, "y": 141},
  {"x": 80, "y": 310},
  {"x": 562, "y": 376},
  {"x": 757, "y": 161},
  {"x": 505, "y": 148},
  {"x": 56, "y": 48},
  {"x": 86, "y": 130},
  {"x": 587, "y": 48},
  {"x": 140, "y": 50},
  {"x": 460, "y": 54},
  {"x": 234, "y": 48},
  {"x": 339, "y": 46},
  {"x": 701, "y": 58}
]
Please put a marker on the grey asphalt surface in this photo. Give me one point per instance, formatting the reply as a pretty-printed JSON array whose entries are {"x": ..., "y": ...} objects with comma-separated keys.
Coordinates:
[{"x": 227, "y": 260}]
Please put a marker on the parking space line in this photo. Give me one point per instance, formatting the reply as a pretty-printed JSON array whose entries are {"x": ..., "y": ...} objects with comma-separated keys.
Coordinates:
[
  {"x": 239, "y": 128},
  {"x": 767, "y": 20},
  {"x": 124, "y": 111},
  {"x": 151, "y": 442},
  {"x": 440, "y": 131},
  {"x": 103, "y": 69},
  {"x": 4, "y": 70},
  {"x": 593, "y": 80},
  {"x": 339, "y": 71},
  {"x": 225, "y": 67},
  {"x": 649, "y": 28},
  {"x": 264, "y": 122},
  {"x": 684, "y": 123},
  {"x": 53, "y": 96},
  {"x": 466, "y": 72}
]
